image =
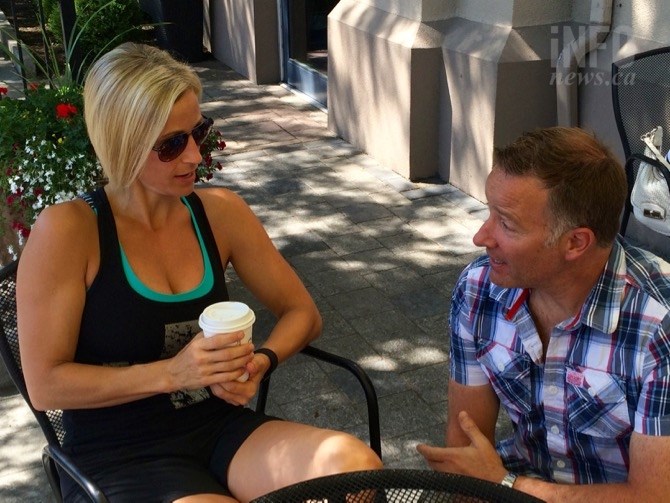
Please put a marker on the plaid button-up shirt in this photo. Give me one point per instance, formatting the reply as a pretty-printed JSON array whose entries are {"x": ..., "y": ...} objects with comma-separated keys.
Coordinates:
[{"x": 606, "y": 373}]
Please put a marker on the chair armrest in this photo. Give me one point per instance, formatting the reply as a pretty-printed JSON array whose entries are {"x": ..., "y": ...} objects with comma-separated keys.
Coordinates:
[
  {"x": 363, "y": 379},
  {"x": 53, "y": 455}
]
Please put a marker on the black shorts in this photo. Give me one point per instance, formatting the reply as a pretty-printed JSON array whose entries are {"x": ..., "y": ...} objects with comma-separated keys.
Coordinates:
[{"x": 194, "y": 462}]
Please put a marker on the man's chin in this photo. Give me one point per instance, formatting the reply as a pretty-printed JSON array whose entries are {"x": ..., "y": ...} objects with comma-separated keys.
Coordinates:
[{"x": 501, "y": 280}]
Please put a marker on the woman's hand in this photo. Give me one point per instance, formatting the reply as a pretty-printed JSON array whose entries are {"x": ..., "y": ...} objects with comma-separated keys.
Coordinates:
[
  {"x": 241, "y": 393},
  {"x": 210, "y": 361}
]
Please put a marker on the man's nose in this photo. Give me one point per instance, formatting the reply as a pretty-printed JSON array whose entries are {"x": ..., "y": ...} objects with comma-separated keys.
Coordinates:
[{"x": 483, "y": 236}]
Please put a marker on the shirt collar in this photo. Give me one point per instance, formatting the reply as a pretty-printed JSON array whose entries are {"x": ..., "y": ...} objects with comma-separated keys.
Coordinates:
[{"x": 602, "y": 308}]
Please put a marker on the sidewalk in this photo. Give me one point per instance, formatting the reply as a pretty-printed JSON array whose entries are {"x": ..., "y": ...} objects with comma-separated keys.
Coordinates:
[{"x": 379, "y": 254}]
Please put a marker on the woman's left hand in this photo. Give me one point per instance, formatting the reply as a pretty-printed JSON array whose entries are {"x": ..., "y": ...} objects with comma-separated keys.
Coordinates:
[{"x": 241, "y": 393}]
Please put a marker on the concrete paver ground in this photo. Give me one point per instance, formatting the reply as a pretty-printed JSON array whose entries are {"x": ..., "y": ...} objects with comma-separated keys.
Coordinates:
[{"x": 380, "y": 255}]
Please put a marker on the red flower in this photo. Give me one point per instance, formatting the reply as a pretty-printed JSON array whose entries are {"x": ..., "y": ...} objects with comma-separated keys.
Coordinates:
[
  {"x": 65, "y": 110},
  {"x": 33, "y": 86},
  {"x": 3, "y": 90},
  {"x": 220, "y": 145},
  {"x": 21, "y": 229}
]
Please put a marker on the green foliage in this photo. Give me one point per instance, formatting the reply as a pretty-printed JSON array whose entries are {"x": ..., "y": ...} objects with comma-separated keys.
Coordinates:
[
  {"x": 115, "y": 20},
  {"x": 102, "y": 25},
  {"x": 46, "y": 155}
]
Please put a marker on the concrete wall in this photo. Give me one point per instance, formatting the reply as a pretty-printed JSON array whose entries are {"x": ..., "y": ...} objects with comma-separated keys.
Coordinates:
[
  {"x": 467, "y": 73},
  {"x": 498, "y": 85},
  {"x": 383, "y": 83},
  {"x": 244, "y": 35}
]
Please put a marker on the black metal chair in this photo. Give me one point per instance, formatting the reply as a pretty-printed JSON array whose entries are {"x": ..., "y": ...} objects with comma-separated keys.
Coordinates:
[
  {"x": 641, "y": 99},
  {"x": 396, "y": 486},
  {"x": 51, "y": 421}
]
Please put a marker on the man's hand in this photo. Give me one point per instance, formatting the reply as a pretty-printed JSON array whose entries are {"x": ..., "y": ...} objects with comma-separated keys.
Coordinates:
[{"x": 479, "y": 459}]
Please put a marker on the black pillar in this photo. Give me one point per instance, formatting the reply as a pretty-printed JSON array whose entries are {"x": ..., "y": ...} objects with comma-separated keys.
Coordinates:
[{"x": 68, "y": 17}]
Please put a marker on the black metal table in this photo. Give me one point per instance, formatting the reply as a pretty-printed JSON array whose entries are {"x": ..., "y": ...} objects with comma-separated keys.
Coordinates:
[{"x": 396, "y": 486}]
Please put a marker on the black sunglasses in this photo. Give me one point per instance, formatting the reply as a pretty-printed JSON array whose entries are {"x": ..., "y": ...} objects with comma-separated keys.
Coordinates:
[{"x": 172, "y": 147}]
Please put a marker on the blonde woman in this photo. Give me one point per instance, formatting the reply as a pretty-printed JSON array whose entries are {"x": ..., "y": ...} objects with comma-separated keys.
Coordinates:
[{"x": 109, "y": 290}]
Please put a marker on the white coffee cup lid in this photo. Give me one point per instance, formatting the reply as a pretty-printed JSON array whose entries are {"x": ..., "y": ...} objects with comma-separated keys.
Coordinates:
[{"x": 226, "y": 317}]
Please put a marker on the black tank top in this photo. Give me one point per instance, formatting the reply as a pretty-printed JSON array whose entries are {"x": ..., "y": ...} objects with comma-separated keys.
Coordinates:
[{"x": 125, "y": 323}]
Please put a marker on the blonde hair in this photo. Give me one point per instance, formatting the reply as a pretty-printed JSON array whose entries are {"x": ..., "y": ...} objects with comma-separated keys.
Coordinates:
[{"x": 128, "y": 96}]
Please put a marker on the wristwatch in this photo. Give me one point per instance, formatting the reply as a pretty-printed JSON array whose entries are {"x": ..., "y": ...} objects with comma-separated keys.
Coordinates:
[
  {"x": 509, "y": 479},
  {"x": 273, "y": 361}
]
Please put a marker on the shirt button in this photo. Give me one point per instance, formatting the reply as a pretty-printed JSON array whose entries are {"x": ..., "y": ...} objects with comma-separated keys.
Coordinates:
[
  {"x": 592, "y": 391},
  {"x": 501, "y": 367},
  {"x": 560, "y": 463},
  {"x": 553, "y": 390},
  {"x": 555, "y": 430}
]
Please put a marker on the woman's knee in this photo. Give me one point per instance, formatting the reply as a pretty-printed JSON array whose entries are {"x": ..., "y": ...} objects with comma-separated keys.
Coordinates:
[{"x": 346, "y": 453}]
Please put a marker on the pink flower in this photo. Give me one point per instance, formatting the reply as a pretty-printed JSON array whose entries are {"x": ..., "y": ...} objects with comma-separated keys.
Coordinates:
[{"x": 65, "y": 110}]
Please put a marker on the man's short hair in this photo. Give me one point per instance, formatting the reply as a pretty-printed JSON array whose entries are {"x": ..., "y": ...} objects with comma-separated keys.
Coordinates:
[{"x": 586, "y": 183}]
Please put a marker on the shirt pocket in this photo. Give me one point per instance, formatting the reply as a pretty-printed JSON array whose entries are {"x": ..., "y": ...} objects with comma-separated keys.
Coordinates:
[
  {"x": 510, "y": 376},
  {"x": 596, "y": 403}
]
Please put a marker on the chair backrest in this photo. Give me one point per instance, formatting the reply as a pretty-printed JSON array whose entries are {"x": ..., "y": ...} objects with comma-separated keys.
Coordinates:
[
  {"x": 50, "y": 421},
  {"x": 641, "y": 100},
  {"x": 641, "y": 96}
]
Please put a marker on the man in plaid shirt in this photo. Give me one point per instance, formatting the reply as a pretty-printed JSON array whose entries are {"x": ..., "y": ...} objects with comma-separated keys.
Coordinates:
[{"x": 568, "y": 327}]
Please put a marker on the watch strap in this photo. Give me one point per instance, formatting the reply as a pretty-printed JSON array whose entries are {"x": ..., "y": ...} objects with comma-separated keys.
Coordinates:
[{"x": 274, "y": 361}]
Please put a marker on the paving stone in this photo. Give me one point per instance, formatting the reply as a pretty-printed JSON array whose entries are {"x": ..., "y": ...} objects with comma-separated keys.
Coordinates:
[
  {"x": 335, "y": 282},
  {"x": 328, "y": 410},
  {"x": 400, "y": 280},
  {"x": 394, "y": 422},
  {"x": 298, "y": 244},
  {"x": 316, "y": 261},
  {"x": 335, "y": 326},
  {"x": 429, "y": 382},
  {"x": 380, "y": 325},
  {"x": 299, "y": 381},
  {"x": 365, "y": 302},
  {"x": 365, "y": 211},
  {"x": 379, "y": 259},
  {"x": 409, "y": 351},
  {"x": 400, "y": 452},
  {"x": 421, "y": 303},
  {"x": 352, "y": 346},
  {"x": 347, "y": 244}
]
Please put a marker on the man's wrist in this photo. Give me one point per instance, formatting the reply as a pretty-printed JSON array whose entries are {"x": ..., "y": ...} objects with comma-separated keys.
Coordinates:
[{"x": 509, "y": 480}]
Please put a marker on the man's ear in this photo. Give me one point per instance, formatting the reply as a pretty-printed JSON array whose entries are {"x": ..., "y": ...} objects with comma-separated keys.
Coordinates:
[{"x": 578, "y": 241}]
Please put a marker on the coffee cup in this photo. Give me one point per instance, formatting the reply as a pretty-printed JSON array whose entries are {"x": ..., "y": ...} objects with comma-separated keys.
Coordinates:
[{"x": 228, "y": 317}]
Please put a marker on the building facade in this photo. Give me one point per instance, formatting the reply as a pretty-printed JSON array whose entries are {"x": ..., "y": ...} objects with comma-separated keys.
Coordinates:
[{"x": 428, "y": 87}]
